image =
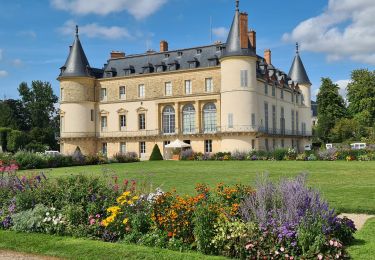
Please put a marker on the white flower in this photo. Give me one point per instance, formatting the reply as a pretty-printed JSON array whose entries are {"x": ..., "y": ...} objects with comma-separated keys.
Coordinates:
[
  {"x": 53, "y": 209},
  {"x": 47, "y": 214}
]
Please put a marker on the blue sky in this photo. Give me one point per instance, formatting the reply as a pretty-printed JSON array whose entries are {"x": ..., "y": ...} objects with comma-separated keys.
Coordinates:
[{"x": 336, "y": 36}]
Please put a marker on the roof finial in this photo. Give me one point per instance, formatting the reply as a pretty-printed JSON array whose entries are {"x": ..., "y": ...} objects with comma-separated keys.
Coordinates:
[
  {"x": 297, "y": 47},
  {"x": 77, "y": 30},
  {"x": 237, "y": 5}
]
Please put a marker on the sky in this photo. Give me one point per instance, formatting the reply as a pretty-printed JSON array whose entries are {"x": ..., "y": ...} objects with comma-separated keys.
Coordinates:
[{"x": 335, "y": 36}]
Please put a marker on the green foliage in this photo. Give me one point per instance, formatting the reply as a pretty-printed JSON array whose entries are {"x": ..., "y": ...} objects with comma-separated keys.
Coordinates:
[
  {"x": 156, "y": 154},
  {"x": 4, "y": 132},
  {"x": 204, "y": 228},
  {"x": 17, "y": 140},
  {"x": 280, "y": 153},
  {"x": 361, "y": 96},
  {"x": 30, "y": 220},
  {"x": 331, "y": 108},
  {"x": 310, "y": 236},
  {"x": 347, "y": 130},
  {"x": 29, "y": 160},
  {"x": 126, "y": 158}
]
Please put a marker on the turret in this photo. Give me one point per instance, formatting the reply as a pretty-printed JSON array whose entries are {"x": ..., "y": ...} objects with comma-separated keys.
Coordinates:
[
  {"x": 238, "y": 83},
  {"x": 77, "y": 100},
  {"x": 298, "y": 74}
]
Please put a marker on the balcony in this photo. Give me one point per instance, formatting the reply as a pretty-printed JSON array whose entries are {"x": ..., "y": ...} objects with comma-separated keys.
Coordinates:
[{"x": 209, "y": 131}]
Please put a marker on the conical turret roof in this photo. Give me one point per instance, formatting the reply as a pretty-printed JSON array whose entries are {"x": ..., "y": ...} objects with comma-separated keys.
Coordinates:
[
  {"x": 233, "y": 45},
  {"x": 297, "y": 72},
  {"x": 77, "y": 64}
]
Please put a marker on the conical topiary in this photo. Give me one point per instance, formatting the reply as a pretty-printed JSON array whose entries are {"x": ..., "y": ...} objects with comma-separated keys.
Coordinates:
[{"x": 156, "y": 154}]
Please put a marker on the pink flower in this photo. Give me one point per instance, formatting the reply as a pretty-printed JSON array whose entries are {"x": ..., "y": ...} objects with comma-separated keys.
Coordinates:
[
  {"x": 282, "y": 249},
  {"x": 248, "y": 246},
  {"x": 335, "y": 243},
  {"x": 92, "y": 222},
  {"x": 2, "y": 169},
  {"x": 276, "y": 252},
  {"x": 97, "y": 215},
  {"x": 320, "y": 256},
  {"x": 331, "y": 242}
]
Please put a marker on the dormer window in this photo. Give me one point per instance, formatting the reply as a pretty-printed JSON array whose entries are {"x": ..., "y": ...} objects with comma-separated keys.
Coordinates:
[
  {"x": 148, "y": 68},
  {"x": 112, "y": 72},
  {"x": 199, "y": 51},
  {"x": 173, "y": 66},
  {"x": 166, "y": 55},
  {"x": 193, "y": 63},
  {"x": 213, "y": 61},
  {"x": 129, "y": 70},
  {"x": 160, "y": 67},
  {"x": 179, "y": 54}
]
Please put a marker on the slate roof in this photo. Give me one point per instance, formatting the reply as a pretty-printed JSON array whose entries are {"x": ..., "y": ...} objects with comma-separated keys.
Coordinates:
[
  {"x": 297, "y": 72},
  {"x": 77, "y": 64}
]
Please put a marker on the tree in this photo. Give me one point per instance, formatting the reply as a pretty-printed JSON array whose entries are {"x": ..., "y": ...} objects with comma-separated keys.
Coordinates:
[
  {"x": 331, "y": 108},
  {"x": 156, "y": 154},
  {"x": 361, "y": 96},
  {"x": 14, "y": 115},
  {"x": 347, "y": 130},
  {"x": 17, "y": 140},
  {"x": 40, "y": 101}
]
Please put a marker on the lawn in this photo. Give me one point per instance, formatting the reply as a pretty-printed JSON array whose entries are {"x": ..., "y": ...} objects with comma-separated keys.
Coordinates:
[
  {"x": 364, "y": 246},
  {"x": 348, "y": 186}
]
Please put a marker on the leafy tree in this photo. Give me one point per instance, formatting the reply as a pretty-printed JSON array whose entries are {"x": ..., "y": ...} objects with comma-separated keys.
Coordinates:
[
  {"x": 361, "y": 96},
  {"x": 14, "y": 115},
  {"x": 331, "y": 108},
  {"x": 156, "y": 154},
  {"x": 347, "y": 130},
  {"x": 40, "y": 101},
  {"x": 17, "y": 140},
  {"x": 4, "y": 131}
]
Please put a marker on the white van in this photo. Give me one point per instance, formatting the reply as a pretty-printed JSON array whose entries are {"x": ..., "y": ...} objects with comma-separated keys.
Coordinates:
[
  {"x": 308, "y": 147},
  {"x": 52, "y": 153},
  {"x": 358, "y": 146},
  {"x": 329, "y": 146}
]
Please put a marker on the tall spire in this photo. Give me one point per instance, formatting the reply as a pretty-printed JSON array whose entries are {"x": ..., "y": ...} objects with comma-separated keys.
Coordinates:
[
  {"x": 297, "y": 72},
  {"x": 233, "y": 45},
  {"x": 76, "y": 64}
]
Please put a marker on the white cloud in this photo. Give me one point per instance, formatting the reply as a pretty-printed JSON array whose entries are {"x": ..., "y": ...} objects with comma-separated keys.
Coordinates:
[
  {"x": 342, "y": 85},
  {"x": 95, "y": 30},
  {"x": 138, "y": 8},
  {"x": 29, "y": 34},
  {"x": 17, "y": 63},
  {"x": 3, "y": 73},
  {"x": 344, "y": 30},
  {"x": 220, "y": 32}
]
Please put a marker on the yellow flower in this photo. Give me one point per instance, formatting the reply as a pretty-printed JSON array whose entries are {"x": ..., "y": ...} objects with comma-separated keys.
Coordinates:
[
  {"x": 125, "y": 221},
  {"x": 135, "y": 198},
  {"x": 114, "y": 209},
  {"x": 126, "y": 193}
]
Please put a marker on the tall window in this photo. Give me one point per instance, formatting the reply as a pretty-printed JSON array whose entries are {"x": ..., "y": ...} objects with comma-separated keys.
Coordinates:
[
  {"x": 122, "y": 148},
  {"x": 142, "y": 148},
  {"x": 141, "y": 91},
  {"x": 142, "y": 121},
  {"x": 267, "y": 145},
  {"x": 230, "y": 120},
  {"x": 282, "y": 143},
  {"x": 122, "y": 122},
  {"x": 253, "y": 144},
  {"x": 266, "y": 116},
  {"x": 188, "y": 87},
  {"x": 122, "y": 93},
  {"x": 103, "y": 123},
  {"x": 62, "y": 123},
  {"x": 208, "y": 146},
  {"x": 168, "y": 88},
  {"x": 282, "y": 94},
  {"x": 169, "y": 118},
  {"x": 292, "y": 121},
  {"x": 104, "y": 148},
  {"x": 273, "y": 90},
  {"x": 92, "y": 115},
  {"x": 292, "y": 95},
  {"x": 282, "y": 121},
  {"x": 266, "y": 89},
  {"x": 209, "y": 85},
  {"x": 253, "y": 124},
  {"x": 297, "y": 98},
  {"x": 188, "y": 119},
  {"x": 244, "y": 78},
  {"x": 103, "y": 94},
  {"x": 297, "y": 122},
  {"x": 303, "y": 128},
  {"x": 209, "y": 118},
  {"x": 274, "y": 119}
]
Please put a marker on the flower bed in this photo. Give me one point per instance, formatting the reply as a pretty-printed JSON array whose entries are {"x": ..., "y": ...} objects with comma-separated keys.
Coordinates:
[
  {"x": 30, "y": 160},
  {"x": 289, "y": 154},
  {"x": 286, "y": 220}
]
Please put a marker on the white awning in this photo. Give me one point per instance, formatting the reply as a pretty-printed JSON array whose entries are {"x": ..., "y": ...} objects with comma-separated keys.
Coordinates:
[{"x": 177, "y": 144}]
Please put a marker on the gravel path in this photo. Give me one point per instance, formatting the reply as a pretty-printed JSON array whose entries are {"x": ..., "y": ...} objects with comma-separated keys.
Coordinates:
[
  {"x": 359, "y": 219},
  {"x": 11, "y": 255}
]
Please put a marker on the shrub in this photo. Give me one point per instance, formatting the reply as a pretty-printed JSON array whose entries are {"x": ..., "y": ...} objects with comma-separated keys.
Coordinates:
[
  {"x": 78, "y": 157},
  {"x": 30, "y": 220},
  {"x": 280, "y": 153},
  {"x": 126, "y": 157},
  {"x": 187, "y": 154},
  {"x": 4, "y": 132},
  {"x": 30, "y": 160},
  {"x": 239, "y": 156},
  {"x": 156, "y": 154},
  {"x": 17, "y": 140},
  {"x": 36, "y": 147}
]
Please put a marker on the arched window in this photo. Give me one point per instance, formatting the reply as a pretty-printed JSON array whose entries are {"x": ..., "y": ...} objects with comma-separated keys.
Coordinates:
[
  {"x": 209, "y": 118},
  {"x": 169, "y": 120},
  {"x": 188, "y": 119}
]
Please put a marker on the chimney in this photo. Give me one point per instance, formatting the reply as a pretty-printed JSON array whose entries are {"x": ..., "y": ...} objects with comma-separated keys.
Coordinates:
[
  {"x": 267, "y": 56},
  {"x": 163, "y": 46},
  {"x": 253, "y": 39},
  {"x": 117, "y": 54},
  {"x": 243, "y": 31}
]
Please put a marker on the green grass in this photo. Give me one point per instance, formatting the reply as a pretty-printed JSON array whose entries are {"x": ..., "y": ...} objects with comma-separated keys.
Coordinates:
[
  {"x": 73, "y": 248},
  {"x": 364, "y": 246},
  {"x": 348, "y": 186}
]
